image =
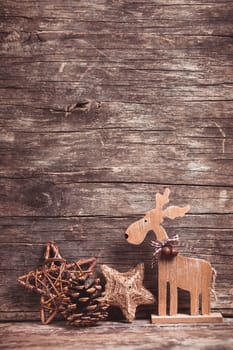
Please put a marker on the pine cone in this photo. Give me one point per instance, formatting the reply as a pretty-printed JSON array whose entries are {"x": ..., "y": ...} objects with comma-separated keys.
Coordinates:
[{"x": 82, "y": 302}]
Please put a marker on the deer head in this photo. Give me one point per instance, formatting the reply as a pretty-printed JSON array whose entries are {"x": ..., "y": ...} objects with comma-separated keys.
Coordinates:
[{"x": 153, "y": 219}]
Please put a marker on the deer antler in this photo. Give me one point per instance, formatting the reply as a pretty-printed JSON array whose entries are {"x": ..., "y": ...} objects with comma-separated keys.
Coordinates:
[
  {"x": 162, "y": 199},
  {"x": 175, "y": 212},
  {"x": 171, "y": 212}
]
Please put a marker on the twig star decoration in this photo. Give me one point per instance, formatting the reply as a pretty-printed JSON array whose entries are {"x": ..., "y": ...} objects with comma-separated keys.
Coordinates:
[
  {"x": 125, "y": 290},
  {"x": 65, "y": 288}
]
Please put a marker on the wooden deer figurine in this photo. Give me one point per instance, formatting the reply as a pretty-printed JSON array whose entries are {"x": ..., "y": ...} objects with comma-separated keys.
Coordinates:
[{"x": 190, "y": 274}]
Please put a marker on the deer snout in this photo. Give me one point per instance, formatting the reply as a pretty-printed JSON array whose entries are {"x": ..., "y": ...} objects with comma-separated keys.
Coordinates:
[{"x": 126, "y": 236}]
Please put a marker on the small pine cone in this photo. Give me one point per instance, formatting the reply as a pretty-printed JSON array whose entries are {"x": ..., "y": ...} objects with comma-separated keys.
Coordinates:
[{"x": 82, "y": 304}]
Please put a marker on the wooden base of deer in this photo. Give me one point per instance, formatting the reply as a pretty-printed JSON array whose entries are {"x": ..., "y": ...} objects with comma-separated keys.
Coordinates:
[{"x": 215, "y": 317}]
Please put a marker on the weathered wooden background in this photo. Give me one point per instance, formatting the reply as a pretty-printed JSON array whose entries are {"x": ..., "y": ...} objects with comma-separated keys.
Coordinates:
[{"x": 104, "y": 103}]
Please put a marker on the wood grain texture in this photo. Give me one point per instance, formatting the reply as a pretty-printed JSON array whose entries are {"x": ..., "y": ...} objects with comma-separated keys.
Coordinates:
[
  {"x": 103, "y": 104},
  {"x": 115, "y": 335}
]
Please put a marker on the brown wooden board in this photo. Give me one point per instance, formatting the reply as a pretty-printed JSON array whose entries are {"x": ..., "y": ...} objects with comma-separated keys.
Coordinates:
[
  {"x": 117, "y": 335},
  {"x": 103, "y": 104}
]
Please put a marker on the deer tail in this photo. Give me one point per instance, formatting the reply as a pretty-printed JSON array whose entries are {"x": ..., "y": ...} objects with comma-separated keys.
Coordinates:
[{"x": 213, "y": 283}]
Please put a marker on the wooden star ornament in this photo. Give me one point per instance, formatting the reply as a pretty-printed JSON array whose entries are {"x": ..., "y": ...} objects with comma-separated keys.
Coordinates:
[{"x": 125, "y": 290}]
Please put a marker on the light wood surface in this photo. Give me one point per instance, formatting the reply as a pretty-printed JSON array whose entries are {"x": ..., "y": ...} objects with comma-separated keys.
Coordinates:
[{"x": 182, "y": 318}]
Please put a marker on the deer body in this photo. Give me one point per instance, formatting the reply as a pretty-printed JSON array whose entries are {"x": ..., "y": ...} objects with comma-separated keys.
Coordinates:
[{"x": 190, "y": 274}]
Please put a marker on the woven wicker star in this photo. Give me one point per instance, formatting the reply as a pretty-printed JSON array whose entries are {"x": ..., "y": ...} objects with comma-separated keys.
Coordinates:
[
  {"x": 125, "y": 290},
  {"x": 66, "y": 288}
]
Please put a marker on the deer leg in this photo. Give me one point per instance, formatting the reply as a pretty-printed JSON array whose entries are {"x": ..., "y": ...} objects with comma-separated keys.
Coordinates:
[
  {"x": 173, "y": 300},
  {"x": 205, "y": 302},
  {"x": 194, "y": 303},
  {"x": 207, "y": 275},
  {"x": 162, "y": 298}
]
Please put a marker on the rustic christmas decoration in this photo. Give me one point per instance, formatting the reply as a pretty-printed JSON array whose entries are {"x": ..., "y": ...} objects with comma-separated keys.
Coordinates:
[
  {"x": 69, "y": 289},
  {"x": 125, "y": 290},
  {"x": 164, "y": 248},
  {"x": 82, "y": 302},
  {"x": 193, "y": 275}
]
